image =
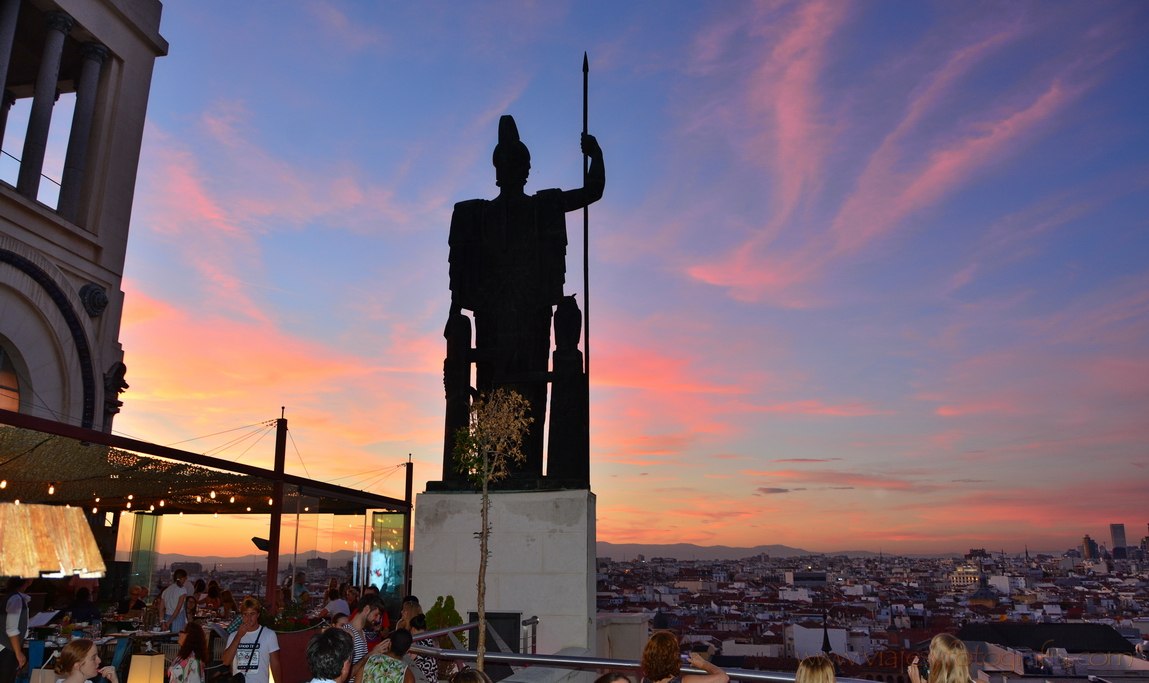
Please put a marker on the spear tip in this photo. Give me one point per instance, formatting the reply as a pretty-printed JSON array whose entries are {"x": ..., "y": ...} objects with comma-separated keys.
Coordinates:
[{"x": 585, "y": 63}]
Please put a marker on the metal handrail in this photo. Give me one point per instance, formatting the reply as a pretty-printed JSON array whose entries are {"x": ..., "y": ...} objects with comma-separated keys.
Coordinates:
[{"x": 584, "y": 663}]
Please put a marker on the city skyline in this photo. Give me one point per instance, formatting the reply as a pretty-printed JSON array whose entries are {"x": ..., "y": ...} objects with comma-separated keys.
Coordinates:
[{"x": 863, "y": 277}]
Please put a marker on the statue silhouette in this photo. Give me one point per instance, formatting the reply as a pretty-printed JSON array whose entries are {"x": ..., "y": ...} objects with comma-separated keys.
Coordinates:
[{"x": 508, "y": 267}]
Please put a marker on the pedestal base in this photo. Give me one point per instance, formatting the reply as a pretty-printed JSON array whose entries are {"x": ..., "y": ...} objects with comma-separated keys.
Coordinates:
[{"x": 542, "y": 559}]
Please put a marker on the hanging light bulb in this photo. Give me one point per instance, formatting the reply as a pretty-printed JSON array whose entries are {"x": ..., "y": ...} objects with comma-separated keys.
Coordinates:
[
  {"x": 52, "y": 488},
  {"x": 3, "y": 483},
  {"x": 97, "y": 499},
  {"x": 199, "y": 499},
  {"x": 249, "y": 508},
  {"x": 129, "y": 505},
  {"x": 212, "y": 494},
  {"x": 270, "y": 502},
  {"x": 131, "y": 497},
  {"x": 161, "y": 502},
  {"x": 93, "y": 511},
  {"x": 231, "y": 500}
]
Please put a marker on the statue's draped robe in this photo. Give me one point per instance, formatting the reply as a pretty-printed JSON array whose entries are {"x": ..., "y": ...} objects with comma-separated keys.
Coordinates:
[{"x": 508, "y": 266}]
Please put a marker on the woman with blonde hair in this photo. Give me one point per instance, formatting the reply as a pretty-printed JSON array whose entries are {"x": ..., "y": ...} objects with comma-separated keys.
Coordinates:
[
  {"x": 661, "y": 663},
  {"x": 79, "y": 662},
  {"x": 816, "y": 669},
  {"x": 948, "y": 662}
]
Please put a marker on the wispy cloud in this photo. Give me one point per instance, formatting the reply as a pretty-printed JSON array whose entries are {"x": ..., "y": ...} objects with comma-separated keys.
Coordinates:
[{"x": 914, "y": 168}]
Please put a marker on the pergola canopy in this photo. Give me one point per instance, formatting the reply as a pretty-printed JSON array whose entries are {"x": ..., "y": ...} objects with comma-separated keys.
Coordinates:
[{"x": 95, "y": 470}]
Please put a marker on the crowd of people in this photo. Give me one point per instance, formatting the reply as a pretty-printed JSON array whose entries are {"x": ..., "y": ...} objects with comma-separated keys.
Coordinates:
[{"x": 356, "y": 643}]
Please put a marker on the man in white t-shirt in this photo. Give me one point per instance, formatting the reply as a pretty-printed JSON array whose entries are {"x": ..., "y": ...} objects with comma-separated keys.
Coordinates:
[
  {"x": 253, "y": 650},
  {"x": 174, "y": 599}
]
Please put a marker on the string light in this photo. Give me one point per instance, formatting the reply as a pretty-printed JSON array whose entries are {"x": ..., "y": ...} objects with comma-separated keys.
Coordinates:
[
  {"x": 212, "y": 494},
  {"x": 97, "y": 499},
  {"x": 270, "y": 502},
  {"x": 3, "y": 483},
  {"x": 249, "y": 508},
  {"x": 231, "y": 500},
  {"x": 52, "y": 488},
  {"x": 94, "y": 511},
  {"x": 151, "y": 508},
  {"x": 199, "y": 499},
  {"x": 129, "y": 504},
  {"x": 131, "y": 497},
  {"x": 161, "y": 502}
]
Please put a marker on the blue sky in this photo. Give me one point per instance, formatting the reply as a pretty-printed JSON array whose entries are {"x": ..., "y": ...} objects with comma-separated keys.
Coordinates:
[{"x": 866, "y": 275}]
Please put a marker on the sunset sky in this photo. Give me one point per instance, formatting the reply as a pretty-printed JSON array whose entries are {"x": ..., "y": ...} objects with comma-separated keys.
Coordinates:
[{"x": 865, "y": 276}]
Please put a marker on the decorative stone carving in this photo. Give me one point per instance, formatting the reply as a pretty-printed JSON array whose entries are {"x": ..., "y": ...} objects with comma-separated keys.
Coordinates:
[{"x": 95, "y": 299}]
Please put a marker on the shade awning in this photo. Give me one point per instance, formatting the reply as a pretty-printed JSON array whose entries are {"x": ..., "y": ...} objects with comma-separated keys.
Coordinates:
[{"x": 90, "y": 469}]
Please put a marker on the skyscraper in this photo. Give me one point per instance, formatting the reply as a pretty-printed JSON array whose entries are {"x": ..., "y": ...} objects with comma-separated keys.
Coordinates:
[
  {"x": 1117, "y": 535},
  {"x": 1089, "y": 548}
]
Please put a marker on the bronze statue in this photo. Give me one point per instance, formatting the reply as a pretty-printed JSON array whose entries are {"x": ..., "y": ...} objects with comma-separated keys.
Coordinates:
[{"x": 508, "y": 267}]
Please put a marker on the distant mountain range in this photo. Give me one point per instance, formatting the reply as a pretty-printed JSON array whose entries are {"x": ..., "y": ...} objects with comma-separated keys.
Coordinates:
[
  {"x": 253, "y": 561},
  {"x": 615, "y": 551},
  {"x": 689, "y": 551}
]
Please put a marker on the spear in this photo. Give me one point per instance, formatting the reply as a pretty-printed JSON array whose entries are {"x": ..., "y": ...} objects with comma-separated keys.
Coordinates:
[{"x": 585, "y": 232}]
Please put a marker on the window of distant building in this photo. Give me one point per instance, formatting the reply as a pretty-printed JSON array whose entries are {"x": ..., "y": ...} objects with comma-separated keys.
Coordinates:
[{"x": 9, "y": 382}]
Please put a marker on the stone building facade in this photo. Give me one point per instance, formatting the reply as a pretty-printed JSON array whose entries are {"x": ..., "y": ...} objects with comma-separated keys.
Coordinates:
[{"x": 63, "y": 237}]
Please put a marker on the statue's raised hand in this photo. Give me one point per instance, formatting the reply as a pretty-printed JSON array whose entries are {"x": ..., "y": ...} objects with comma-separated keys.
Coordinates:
[{"x": 590, "y": 146}]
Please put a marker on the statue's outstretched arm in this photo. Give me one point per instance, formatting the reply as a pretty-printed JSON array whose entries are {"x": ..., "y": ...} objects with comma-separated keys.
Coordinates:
[{"x": 595, "y": 178}]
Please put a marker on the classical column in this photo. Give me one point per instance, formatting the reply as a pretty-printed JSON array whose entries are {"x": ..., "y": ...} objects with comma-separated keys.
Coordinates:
[
  {"x": 5, "y": 106},
  {"x": 9, "y": 11},
  {"x": 74, "y": 163},
  {"x": 40, "y": 118}
]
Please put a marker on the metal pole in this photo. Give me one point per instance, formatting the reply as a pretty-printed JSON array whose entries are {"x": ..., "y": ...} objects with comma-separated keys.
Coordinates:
[
  {"x": 585, "y": 233},
  {"x": 410, "y": 490},
  {"x": 276, "y": 514}
]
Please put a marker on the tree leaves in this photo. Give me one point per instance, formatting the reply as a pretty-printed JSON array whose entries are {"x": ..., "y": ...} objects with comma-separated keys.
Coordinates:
[{"x": 493, "y": 438}]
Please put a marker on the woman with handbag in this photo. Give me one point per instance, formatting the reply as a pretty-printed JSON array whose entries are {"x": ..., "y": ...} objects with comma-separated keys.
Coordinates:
[{"x": 190, "y": 658}]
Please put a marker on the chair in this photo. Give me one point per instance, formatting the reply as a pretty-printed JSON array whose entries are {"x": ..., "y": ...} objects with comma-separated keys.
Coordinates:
[{"x": 123, "y": 647}]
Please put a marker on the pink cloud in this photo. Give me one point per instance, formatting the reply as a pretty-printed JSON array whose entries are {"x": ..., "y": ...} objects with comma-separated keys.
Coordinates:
[
  {"x": 343, "y": 31},
  {"x": 906, "y": 174},
  {"x": 816, "y": 407},
  {"x": 838, "y": 478},
  {"x": 192, "y": 372},
  {"x": 974, "y": 408},
  {"x": 885, "y": 197},
  {"x": 786, "y": 85}
]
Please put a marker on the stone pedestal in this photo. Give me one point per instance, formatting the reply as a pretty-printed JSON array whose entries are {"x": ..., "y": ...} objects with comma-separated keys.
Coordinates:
[{"x": 542, "y": 560}]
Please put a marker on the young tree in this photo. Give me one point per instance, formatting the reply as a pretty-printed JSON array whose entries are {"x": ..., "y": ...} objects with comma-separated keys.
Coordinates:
[{"x": 484, "y": 451}]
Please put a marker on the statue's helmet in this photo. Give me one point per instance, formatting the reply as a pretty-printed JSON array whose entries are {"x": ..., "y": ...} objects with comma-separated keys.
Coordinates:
[{"x": 511, "y": 157}]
